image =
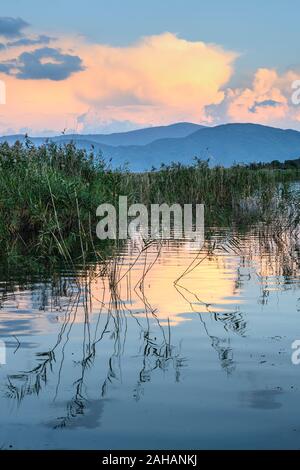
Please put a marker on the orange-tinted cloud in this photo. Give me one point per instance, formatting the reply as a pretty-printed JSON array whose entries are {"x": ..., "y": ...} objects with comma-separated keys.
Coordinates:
[
  {"x": 266, "y": 101},
  {"x": 160, "y": 79}
]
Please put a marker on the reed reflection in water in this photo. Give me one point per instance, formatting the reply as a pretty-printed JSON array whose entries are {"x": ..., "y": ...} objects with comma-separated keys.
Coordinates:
[{"x": 162, "y": 345}]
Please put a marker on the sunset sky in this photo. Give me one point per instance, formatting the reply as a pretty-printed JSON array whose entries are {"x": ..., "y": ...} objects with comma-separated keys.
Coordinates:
[{"x": 99, "y": 66}]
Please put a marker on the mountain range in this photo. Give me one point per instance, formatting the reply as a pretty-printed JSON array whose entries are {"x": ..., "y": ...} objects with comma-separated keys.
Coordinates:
[{"x": 224, "y": 145}]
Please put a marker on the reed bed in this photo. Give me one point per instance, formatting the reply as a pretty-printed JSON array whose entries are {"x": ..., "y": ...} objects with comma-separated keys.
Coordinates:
[{"x": 49, "y": 194}]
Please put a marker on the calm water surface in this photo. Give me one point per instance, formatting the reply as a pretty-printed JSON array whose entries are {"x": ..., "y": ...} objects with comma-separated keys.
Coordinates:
[{"x": 134, "y": 359}]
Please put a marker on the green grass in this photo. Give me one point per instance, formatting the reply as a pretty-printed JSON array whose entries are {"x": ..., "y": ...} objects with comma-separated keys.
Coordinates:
[{"x": 49, "y": 194}]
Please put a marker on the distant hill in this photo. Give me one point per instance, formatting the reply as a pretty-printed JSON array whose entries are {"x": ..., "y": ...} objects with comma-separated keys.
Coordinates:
[
  {"x": 136, "y": 137},
  {"x": 147, "y": 135},
  {"x": 224, "y": 145}
]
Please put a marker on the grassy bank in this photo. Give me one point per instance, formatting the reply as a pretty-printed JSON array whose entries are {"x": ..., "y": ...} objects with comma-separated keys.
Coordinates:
[{"x": 49, "y": 194}]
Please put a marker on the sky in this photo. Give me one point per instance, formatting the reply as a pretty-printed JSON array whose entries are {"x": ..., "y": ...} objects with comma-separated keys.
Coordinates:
[{"x": 98, "y": 66}]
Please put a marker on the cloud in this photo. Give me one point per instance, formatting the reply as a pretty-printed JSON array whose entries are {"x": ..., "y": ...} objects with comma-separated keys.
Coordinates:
[
  {"x": 158, "y": 79},
  {"x": 267, "y": 101},
  {"x": 44, "y": 63},
  {"x": 26, "y": 41},
  {"x": 12, "y": 27},
  {"x": 263, "y": 104},
  {"x": 5, "y": 67}
]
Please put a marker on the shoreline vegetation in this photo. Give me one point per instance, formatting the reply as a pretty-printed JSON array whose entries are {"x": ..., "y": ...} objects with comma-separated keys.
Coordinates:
[{"x": 49, "y": 194}]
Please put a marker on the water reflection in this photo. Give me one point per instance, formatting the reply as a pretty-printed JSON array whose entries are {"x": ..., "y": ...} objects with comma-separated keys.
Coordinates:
[
  {"x": 152, "y": 316},
  {"x": 262, "y": 399}
]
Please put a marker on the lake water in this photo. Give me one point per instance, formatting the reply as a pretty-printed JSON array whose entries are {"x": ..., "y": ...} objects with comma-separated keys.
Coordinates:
[{"x": 132, "y": 359}]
